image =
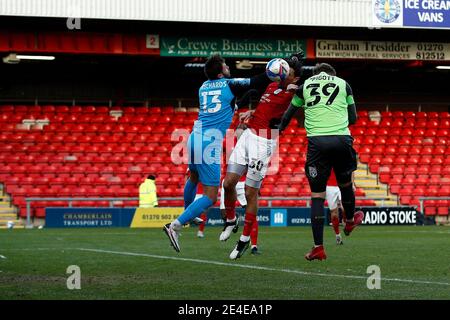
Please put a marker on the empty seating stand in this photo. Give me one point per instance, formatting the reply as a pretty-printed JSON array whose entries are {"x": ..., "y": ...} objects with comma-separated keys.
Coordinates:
[
  {"x": 409, "y": 151},
  {"x": 85, "y": 152}
]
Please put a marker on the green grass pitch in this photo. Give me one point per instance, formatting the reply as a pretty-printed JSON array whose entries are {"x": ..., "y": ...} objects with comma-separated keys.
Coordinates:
[{"x": 140, "y": 264}]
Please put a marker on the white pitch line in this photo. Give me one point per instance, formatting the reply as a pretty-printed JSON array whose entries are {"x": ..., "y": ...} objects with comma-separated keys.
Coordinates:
[
  {"x": 259, "y": 267},
  {"x": 32, "y": 249},
  {"x": 2, "y": 257}
]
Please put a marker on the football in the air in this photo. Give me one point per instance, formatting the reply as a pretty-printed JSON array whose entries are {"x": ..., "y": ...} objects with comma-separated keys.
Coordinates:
[{"x": 277, "y": 69}]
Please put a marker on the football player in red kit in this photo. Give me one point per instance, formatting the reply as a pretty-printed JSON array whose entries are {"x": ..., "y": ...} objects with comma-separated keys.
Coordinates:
[
  {"x": 254, "y": 150},
  {"x": 240, "y": 192},
  {"x": 333, "y": 196}
]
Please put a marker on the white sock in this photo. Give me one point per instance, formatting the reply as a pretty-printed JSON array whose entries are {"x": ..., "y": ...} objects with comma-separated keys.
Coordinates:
[
  {"x": 176, "y": 225},
  {"x": 231, "y": 220},
  {"x": 244, "y": 238},
  {"x": 254, "y": 246}
]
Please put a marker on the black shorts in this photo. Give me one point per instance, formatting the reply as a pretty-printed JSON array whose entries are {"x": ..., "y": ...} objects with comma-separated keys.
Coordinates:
[{"x": 326, "y": 152}]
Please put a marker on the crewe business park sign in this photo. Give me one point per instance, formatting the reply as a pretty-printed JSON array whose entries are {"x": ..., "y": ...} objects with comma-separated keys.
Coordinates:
[
  {"x": 411, "y": 13},
  {"x": 229, "y": 47}
]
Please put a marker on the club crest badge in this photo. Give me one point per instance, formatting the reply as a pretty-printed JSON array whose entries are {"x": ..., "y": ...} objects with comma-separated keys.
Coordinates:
[
  {"x": 312, "y": 172},
  {"x": 387, "y": 11}
]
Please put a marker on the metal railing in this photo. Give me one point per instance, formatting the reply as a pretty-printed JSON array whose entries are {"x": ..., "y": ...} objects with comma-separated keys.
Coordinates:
[
  {"x": 422, "y": 199},
  {"x": 113, "y": 200}
]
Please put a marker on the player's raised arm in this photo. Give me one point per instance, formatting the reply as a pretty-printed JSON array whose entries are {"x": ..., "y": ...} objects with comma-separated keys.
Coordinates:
[
  {"x": 260, "y": 82},
  {"x": 295, "y": 104},
  {"x": 247, "y": 98},
  {"x": 239, "y": 86},
  {"x": 352, "y": 117}
]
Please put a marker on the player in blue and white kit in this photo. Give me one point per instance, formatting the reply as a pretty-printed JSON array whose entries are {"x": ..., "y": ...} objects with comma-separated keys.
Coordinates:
[{"x": 217, "y": 97}]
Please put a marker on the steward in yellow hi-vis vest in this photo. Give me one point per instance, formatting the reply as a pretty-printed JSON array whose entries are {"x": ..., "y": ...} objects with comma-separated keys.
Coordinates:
[{"x": 147, "y": 193}]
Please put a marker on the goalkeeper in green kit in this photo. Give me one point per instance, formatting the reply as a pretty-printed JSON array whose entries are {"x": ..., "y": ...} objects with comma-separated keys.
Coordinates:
[{"x": 329, "y": 109}]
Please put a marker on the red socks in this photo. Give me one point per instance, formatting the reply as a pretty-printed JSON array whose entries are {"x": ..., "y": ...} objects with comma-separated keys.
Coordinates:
[
  {"x": 229, "y": 209},
  {"x": 201, "y": 227},
  {"x": 250, "y": 220},
  {"x": 254, "y": 233},
  {"x": 335, "y": 223}
]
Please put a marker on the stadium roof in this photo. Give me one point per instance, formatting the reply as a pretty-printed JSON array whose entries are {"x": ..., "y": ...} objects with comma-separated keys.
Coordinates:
[{"x": 343, "y": 13}]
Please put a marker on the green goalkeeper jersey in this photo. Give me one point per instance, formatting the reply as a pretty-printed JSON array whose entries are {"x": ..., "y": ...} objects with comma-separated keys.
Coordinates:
[{"x": 325, "y": 99}]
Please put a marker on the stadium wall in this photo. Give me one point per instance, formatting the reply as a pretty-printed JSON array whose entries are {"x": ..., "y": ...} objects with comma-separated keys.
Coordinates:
[{"x": 342, "y": 13}]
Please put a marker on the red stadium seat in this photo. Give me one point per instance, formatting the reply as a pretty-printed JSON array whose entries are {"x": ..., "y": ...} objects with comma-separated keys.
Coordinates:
[
  {"x": 409, "y": 114},
  {"x": 386, "y": 114},
  {"x": 443, "y": 211},
  {"x": 430, "y": 211}
]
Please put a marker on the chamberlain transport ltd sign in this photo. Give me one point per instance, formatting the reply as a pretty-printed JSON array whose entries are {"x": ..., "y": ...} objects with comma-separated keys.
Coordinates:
[
  {"x": 411, "y": 13},
  {"x": 229, "y": 47},
  {"x": 385, "y": 50}
]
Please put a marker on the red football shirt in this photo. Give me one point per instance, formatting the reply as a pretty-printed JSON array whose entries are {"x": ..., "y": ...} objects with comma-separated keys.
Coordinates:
[
  {"x": 332, "y": 182},
  {"x": 270, "y": 110},
  {"x": 199, "y": 188}
]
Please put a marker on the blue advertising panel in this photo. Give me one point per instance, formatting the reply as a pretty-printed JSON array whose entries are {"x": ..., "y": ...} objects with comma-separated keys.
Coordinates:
[
  {"x": 299, "y": 217},
  {"x": 88, "y": 217},
  {"x": 426, "y": 13},
  {"x": 278, "y": 217},
  {"x": 411, "y": 13},
  {"x": 215, "y": 218},
  {"x": 274, "y": 217}
]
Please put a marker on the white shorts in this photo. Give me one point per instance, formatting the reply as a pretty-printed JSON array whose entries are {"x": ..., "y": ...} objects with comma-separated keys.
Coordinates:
[
  {"x": 240, "y": 190},
  {"x": 333, "y": 197},
  {"x": 254, "y": 152}
]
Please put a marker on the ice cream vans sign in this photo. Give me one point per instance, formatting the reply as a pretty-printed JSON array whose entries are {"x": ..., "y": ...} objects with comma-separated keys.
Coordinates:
[
  {"x": 389, "y": 216},
  {"x": 411, "y": 13}
]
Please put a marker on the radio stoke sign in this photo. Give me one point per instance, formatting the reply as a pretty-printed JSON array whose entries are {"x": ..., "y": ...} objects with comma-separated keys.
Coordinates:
[{"x": 389, "y": 215}]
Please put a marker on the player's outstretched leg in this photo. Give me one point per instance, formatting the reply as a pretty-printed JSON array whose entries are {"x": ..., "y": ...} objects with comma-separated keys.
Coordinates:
[
  {"x": 251, "y": 194},
  {"x": 317, "y": 222},
  {"x": 173, "y": 235},
  {"x": 229, "y": 189},
  {"x": 173, "y": 229},
  {"x": 190, "y": 189},
  {"x": 201, "y": 227},
  {"x": 254, "y": 238},
  {"x": 353, "y": 219},
  {"x": 335, "y": 223},
  {"x": 244, "y": 241},
  {"x": 197, "y": 221},
  {"x": 351, "y": 225}
]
